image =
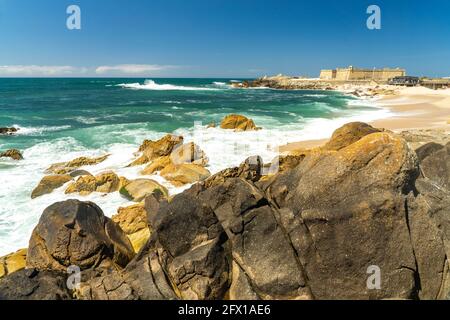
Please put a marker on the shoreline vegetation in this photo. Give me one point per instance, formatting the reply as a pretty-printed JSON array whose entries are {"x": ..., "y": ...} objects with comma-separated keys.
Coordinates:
[{"x": 375, "y": 194}]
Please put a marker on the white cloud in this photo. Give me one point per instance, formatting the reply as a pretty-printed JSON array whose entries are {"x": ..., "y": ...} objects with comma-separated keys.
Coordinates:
[
  {"x": 36, "y": 70},
  {"x": 131, "y": 68}
]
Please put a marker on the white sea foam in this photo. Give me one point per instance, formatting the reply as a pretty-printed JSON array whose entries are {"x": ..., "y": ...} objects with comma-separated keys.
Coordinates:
[
  {"x": 85, "y": 120},
  {"x": 19, "y": 214},
  {"x": 222, "y": 85},
  {"x": 32, "y": 131},
  {"x": 315, "y": 95},
  {"x": 152, "y": 85}
]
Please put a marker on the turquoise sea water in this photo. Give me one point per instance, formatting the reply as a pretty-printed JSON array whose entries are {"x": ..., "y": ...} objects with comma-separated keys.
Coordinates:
[{"x": 61, "y": 119}]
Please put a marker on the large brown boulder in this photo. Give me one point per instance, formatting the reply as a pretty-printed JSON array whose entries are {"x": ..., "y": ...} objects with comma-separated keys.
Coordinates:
[
  {"x": 50, "y": 183},
  {"x": 186, "y": 173},
  {"x": 238, "y": 123},
  {"x": 137, "y": 190},
  {"x": 77, "y": 233},
  {"x": 190, "y": 245},
  {"x": 155, "y": 149},
  {"x": 12, "y": 153},
  {"x": 258, "y": 244},
  {"x": 345, "y": 211},
  {"x": 348, "y": 134}
]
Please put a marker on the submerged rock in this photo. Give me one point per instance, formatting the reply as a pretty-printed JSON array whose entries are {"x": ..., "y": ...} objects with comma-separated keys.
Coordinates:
[
  {"x": 8, "y": 131},
  {"x": 12, "y": 153},
  {"x": 50, "y": 183},
  {"x": 238, "y": 123}
]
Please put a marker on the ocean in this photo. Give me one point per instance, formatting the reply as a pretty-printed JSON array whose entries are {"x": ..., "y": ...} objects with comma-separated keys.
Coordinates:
[{"x": 62, "y": 119}]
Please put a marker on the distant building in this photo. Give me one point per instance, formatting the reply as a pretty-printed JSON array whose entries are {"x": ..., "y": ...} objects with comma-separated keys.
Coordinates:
[
  {"x": 404, "y": 81},
  {"x": 437, "y": 83},
  {"x": 351, "y": 73}
]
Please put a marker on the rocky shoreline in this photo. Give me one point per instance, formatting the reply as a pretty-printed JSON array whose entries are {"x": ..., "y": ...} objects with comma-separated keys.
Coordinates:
[
  {"x": 311, "y": 230},
  {"x": 363, "y": 89}
]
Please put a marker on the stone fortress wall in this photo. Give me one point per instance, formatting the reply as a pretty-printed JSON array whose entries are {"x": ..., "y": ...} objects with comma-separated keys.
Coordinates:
[{"x": 351, "y": 73}]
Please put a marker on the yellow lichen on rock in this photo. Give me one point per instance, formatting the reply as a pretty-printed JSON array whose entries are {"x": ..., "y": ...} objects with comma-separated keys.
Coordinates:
[
  {"x": 182, "y": 174},
  {"x": 133, "y": 221},
  {"x": 238, "y": 123},
  {"x": 50, "y": 183},
  {"x": 106, "y": 182},
  {"x": 13, "y": 262}
]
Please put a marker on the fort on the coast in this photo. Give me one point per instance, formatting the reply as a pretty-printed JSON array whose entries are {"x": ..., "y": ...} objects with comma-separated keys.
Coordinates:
[{"x": 352, "y": 74}]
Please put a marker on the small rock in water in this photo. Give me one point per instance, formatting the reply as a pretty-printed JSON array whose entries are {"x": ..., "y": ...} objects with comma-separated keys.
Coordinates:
[
  {"x": 238, "y": 123},
  {"x": 13, "y": 154},
  {"x": 8, "y": 131}
]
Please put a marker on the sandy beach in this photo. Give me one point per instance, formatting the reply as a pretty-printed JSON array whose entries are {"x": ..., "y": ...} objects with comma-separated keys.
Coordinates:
[{"x": 416, "y": 109}]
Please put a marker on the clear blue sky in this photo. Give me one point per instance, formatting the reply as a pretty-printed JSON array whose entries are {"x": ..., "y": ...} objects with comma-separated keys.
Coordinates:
[{"x": 221, "y": 38}]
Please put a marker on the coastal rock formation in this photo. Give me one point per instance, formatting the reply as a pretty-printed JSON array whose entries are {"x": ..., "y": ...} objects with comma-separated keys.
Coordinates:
[
  {"x": 13, "y": 262},
  {"x": 251, "y": 169},
  {"x": 182, "y": 154},
  {"x": 12, "y": 153},
  {"x": 318, "y": 229},
  {"x": 156, "y": 165},
  {"x": 238, "y": 123},
  {"x": 8, "y": 131},
  {"x": 155, "y": 149},
  {"x": 67, "y": 167},
  {"x": 189, "y": 153},
  {"x": 345, "y": 211},
  {"x": 348, "y": 134},
  {"x": 50, "y": 183},
  {"x": 185, "y": 173},
  {"x": 106, "y": 182},
  {"x": 31, "y": 284},
  {"x": 138, "y": 189},
  {"x": 133, "y": 221},
  {"x": 76, "y": 233},
  {"x": 286, "y": 83},
  {"x": 435, "y": 163}
]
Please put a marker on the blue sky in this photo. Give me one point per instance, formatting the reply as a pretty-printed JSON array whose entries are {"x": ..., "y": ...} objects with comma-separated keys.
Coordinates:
[{"x": 221, "y": 38}]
